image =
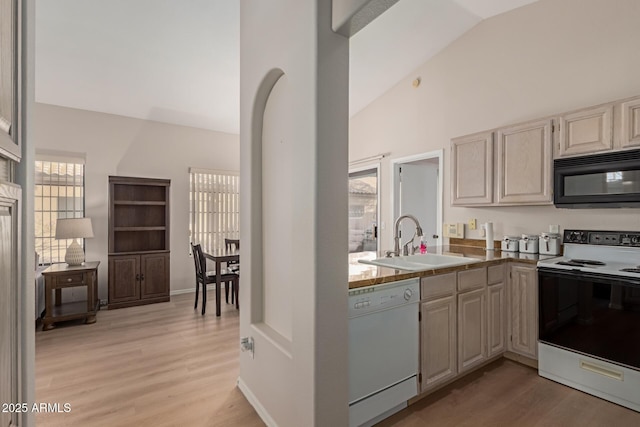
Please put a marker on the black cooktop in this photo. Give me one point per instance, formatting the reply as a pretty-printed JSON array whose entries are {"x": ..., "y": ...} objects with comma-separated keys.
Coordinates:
[{"x": 581, "y": 263}]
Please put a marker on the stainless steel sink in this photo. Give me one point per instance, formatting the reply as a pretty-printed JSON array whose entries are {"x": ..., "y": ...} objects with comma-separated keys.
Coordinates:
[{"x": 420, "y": 262}]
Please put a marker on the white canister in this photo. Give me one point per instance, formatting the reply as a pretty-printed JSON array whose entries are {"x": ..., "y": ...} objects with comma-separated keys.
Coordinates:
[
  {"x": 529, "y": 244},
  {"x": 550, "y": 244},
  {"x": 510, "y": 243}
]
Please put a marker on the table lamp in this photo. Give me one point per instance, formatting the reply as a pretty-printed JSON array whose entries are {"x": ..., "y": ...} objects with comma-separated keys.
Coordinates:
[{"x": 74, "y": 228}]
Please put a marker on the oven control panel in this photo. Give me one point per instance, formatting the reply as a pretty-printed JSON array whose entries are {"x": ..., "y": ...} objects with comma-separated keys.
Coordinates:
[{"x": 609, "y": 238}]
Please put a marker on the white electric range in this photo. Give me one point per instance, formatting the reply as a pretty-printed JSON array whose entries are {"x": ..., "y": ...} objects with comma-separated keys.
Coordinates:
[{"x": 589, "y": 315}]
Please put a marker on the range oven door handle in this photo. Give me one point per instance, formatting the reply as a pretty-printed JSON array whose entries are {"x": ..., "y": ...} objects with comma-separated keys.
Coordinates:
[{"x": 589, "y": 276}]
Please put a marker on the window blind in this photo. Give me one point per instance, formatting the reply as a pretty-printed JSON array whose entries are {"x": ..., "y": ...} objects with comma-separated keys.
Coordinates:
[{"x": 214, "y": 198}]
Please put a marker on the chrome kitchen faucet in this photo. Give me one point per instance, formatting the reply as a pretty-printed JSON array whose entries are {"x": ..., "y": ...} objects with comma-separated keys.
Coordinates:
[{"x": 405, "y": 249}]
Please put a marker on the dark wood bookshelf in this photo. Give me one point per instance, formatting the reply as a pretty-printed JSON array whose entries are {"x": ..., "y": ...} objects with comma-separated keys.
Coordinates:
[{"x": 138, "y": 241}]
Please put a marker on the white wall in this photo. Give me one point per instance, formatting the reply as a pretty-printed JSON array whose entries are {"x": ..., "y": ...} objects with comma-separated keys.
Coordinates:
[
  {"x": 549, "y": 57},
  {"x": 116, "y": 145}
]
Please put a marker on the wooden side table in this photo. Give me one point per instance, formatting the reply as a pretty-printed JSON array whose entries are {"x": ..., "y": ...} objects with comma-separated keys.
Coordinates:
[{"x": 60, "y": 276}]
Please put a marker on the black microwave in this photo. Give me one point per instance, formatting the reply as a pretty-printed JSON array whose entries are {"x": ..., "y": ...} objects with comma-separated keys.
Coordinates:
[{"x": 609, "y": 180}]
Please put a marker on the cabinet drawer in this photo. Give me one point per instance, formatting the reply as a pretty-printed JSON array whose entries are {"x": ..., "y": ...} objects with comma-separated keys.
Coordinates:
[
  {"x": 70, "y": 279},
  {"x": 437, "y": 286},
  {"x": 472, "y": 279},
  {"x": 495, "y": 274}
]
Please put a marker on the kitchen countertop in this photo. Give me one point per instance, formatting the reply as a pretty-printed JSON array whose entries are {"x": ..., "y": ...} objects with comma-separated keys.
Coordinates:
[{"x": 367, "y": 275}]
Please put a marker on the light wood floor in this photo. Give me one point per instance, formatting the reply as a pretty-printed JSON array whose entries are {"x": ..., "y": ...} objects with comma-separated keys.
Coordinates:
[
  {"x": 165, "y": 365},
  {"x": 155, "y": 365},
  {"x": 508, "y": 394}
]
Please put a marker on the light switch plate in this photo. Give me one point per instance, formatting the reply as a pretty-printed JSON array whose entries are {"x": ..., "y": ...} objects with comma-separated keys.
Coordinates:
[{"x": 473, "y": 224}]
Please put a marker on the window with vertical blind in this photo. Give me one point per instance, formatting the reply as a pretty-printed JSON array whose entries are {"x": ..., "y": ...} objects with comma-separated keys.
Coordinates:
[
  {"x": 59, "y": 193},
  {"x": 214, "y": 199}
]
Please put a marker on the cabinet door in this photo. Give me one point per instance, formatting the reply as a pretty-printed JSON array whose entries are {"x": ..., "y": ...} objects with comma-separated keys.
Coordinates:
[
  {"x": 9, "y": 286},
  {"x": 525, "y": 163},
  {"x": 630, "y": 123},
  {"x": 124, "y": 274},
  {"x": 472, "y": 320},
  {"x": 586, "y": 131},
  {"x": 10, "y": 69},
  {"x": 497, "y": 319},
  {"x": 438, "y": 342},
  {"x": 523, "y": 308},
  {"x": 155, "y": 275},
  {"x": 472, "y": 165}
]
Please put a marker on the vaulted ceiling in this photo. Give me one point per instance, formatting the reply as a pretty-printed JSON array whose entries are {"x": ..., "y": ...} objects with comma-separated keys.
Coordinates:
[{"x": 177, "y": 61}]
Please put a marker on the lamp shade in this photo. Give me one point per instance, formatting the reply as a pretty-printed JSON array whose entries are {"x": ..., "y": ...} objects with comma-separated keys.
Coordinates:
[{"x": 74, "y": 228}]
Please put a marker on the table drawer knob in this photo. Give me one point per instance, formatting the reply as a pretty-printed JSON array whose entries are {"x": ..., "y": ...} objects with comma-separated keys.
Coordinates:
[{"x": 69, "y": 279}]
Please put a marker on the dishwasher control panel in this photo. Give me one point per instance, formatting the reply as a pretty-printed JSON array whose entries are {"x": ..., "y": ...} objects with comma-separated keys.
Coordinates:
[{"x": 382, "y": 297}]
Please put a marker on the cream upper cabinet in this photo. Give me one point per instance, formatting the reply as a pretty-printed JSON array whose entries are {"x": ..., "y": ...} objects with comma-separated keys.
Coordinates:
[
  {"x": 472, "y": 169},
  {"x": 524, "y": 165},
  {"x": 523, "y": 310},
  {"x": 630, "y": 123},
  {"x": 586, "y": 131}
]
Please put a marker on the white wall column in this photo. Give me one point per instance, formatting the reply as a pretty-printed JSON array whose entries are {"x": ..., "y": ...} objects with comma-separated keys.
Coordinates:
[{"x": 293, "y": 135}]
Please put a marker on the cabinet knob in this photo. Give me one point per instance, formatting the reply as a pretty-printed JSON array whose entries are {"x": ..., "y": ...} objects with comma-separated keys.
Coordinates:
[{"x": 69, "y": 279}]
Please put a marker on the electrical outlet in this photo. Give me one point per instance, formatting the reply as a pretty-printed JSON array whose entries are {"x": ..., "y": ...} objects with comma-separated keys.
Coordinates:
[
  {"x": 473, "y": 224},
  {"x": 554, "y": 229}
]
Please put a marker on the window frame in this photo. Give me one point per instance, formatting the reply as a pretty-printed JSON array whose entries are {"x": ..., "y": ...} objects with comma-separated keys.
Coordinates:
[
  {"x": 371, "y": 167},
  {"x": 49, "y": 249}
]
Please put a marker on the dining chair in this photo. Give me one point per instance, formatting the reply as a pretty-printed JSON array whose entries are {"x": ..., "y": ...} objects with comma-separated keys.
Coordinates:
[
  {"x": 205, "y": 277},
  {"x": 233, "y": 266}
]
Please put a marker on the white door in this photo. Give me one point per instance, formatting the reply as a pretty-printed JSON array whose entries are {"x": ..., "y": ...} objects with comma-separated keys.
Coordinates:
[{"x": 418, "y": 196}]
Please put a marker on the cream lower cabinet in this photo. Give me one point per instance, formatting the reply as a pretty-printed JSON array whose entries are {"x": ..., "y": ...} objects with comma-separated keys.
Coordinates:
[
  {"x": 496, "y": 311},
  {"x": 523, "y": 310},
  {"x": 472, "y": 335},
  {"x": 472, "y": 318},
  {"x": 438, "y": 344},
  {"x": 438, "y": 341},
  {"x": 464, "y": 322}
]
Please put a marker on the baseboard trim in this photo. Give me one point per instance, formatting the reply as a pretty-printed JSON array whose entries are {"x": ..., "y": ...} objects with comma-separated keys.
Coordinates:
[
  {"x": 253, "y": 400},
  {"x": 191, "y": 290},
  {"x": 182, "y": 291},
  {"x": 523, "y": 360}
]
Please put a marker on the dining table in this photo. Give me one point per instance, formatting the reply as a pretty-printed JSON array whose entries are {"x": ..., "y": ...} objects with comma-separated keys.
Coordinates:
[{"x": 219, "y": 257}]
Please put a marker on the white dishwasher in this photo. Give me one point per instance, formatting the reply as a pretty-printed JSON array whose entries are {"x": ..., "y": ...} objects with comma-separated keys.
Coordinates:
[{"x": 383, "y": 350}]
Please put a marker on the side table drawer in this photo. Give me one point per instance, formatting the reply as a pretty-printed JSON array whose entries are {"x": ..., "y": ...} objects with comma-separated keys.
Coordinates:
[{"x": 70, "y": 279}]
